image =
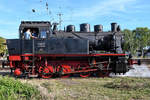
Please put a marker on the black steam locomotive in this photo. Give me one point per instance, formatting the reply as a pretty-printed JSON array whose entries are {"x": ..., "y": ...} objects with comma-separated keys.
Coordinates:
[{"x": 67, "y": 52}]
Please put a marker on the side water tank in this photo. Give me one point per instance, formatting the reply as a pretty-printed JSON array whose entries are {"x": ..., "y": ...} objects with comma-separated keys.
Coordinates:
[
  {"x": 70, "y": 28},
  {"x": 84, "y": 27},
  {"x": 98, "y": 28},
  {"x": 114, "y": 27}
]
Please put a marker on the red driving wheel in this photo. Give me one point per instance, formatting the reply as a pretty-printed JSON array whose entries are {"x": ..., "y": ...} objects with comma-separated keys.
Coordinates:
[
  {"x": 46, "y": 72},
  {"x": 84, "y": 74},
  {"x": 64, "y": 69}
]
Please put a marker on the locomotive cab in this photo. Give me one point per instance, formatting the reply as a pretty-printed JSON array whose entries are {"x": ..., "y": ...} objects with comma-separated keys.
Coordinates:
[{"x": 41, "y": 29}]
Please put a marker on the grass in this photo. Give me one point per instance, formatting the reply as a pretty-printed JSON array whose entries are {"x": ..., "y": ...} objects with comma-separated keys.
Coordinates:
[
  {"x": 11, "y": 89},
  {"x": 123, "y": 88},
  {"x": 99, "y": 89}
]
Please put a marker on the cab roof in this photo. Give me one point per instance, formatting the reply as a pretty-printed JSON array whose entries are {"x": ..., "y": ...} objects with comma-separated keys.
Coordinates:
[{"x": 35, "y": 24}]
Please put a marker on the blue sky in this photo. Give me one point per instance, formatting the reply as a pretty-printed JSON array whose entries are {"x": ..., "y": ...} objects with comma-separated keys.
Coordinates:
[{"x": 128, "y": 13}]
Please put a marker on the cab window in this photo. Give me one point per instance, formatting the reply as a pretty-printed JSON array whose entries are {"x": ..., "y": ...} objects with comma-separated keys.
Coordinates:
[
  {"x": 43, "y": 34},
  {"x": 34, "y": 32}
]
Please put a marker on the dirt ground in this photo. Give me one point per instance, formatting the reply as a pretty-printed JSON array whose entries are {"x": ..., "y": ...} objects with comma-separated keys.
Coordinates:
[{"x": 123, "y": 88}]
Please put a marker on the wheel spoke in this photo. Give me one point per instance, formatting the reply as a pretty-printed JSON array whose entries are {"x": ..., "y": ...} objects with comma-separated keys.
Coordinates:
[
  {"x": 84, "y": 74},
  {"x": 46, "y": 72},
  {"x": 64, "y": 69}
]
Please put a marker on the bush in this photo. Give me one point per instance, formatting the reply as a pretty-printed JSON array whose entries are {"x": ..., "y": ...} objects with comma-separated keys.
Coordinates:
[{"x": 11, "y": 89}]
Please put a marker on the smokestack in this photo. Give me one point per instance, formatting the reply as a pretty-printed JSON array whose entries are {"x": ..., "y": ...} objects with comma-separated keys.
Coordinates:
[
  {"x": 113, "y": 27},
  {"x": 70, "y": 28},
  {"x": 98, "y": 28},
  {"x": 84, "y": 27}
]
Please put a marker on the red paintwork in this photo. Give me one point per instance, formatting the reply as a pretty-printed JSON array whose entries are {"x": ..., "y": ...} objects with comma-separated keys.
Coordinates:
[
  {"x": 87, "y": 70},
  {"x": 69, "y": 55},
  {"x": 132, "y": 62},
  {"x": 84, "y": 67},
  {"x": 26, "y": 58},
  {"x": 65, "y": 68},
  {"x": 17, "y": 72},
  {"x": 73, "y": 55},
  {"x": 135, "y": 62},
  {"x": 15, "y": 58},
  {"x": 18, "y": 57},
  {"x": 11, "y": 65},
  {"x": 48, "y": 69}
]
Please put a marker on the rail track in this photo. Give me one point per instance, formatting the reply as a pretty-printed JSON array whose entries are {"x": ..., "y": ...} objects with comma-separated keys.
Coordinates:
[{"x": 143, "y": 61}]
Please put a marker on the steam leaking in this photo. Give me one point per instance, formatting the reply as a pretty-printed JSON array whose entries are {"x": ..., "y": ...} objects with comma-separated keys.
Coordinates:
[{"x": 137, "y": 71}]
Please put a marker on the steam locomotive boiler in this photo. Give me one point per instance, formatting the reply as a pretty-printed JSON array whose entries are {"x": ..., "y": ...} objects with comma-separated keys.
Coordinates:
[{"x": 68, "y": 52}]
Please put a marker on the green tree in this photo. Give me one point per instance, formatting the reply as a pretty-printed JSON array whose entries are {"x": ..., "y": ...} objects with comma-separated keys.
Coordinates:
[
  {"x": 130, "y": 41},
  {"x": 136, "y": 39},
  {"x": 2, "y": 46},
  {"x": 142, "y": 35}
]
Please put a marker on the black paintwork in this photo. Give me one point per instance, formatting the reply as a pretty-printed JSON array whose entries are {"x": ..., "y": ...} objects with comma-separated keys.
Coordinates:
[{"x": 61, "y": 42}]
